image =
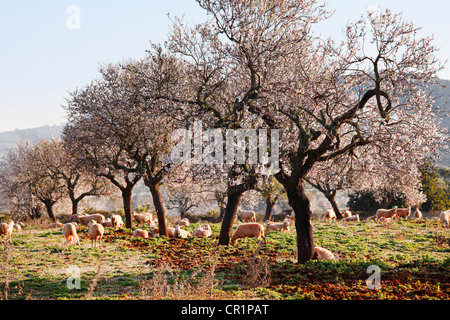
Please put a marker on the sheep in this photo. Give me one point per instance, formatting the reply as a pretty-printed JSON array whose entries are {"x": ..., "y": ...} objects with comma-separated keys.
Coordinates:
[
  {"x": 17, "y": 227},
  {"x": 445, "y": 217},
  {"x": 391, "y": 213},
  {"x": 248, "y": 230},
  {"x": 116, "y": 221},
  {"x": 330, "y": 215},
  {"x": 139, "y": 233},
  {"x": 144, "y": 217},
  {"x": 246, "y": 215},
  {"x": 319, "y": 254},
  {"x": 346, "y": 214},
  {"x": 202, "y": 232},
  {"x": 183, "y": 222},
  {"x": 6, "y": 229},
  {"x": 84, "y": 219},
  {"x": 351, "y": 218},
  {"x": 386, "y": 220},
  {"x": 280, "y": 226},
  {"x": 108, "y": 223},
  {"x": 180, "y": 233},
  {"x": 95, "y": 232},
  {"x": 55, "y": 225},
  {"x": 323, "y": 254},
  {"x": 417, "y": 214},
  {"x": 69, "y": 231},
  {"x": 403, "y": 212}
]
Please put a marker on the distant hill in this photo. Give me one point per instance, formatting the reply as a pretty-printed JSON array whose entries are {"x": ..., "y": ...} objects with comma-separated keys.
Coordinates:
[{"x": 9, "y": 139}]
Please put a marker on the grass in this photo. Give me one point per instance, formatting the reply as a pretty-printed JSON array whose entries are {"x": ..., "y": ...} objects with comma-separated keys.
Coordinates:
[{"x": 413, "y": 257}]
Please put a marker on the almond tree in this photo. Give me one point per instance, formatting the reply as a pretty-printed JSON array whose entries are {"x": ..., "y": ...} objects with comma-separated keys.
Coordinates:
[
  {"x": 29, "y": 173},
  {"x": 116, "y": 128},
  {"x": 259, "y": 62}
]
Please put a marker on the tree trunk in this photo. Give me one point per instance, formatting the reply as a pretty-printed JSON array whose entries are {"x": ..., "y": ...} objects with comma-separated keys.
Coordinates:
[
  {"x": 332, "y": 200},
  {"x": 126, "y": 197},
  {"x": 159, "y": 207},
  {"x": 269, "y": 209},
  {"x": 75, "y": 205},
  {"x": 305, "y": 241},
  {"x": 234, "y": 199},
  {"x": 49, "y": 206}
]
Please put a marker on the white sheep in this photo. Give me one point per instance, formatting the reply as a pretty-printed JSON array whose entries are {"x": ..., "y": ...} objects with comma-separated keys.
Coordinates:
[
  {"x": 144, "y": 217},
  {"x": 445, "y": 217},
  {"x": 246, "y": 215},
  {"x": 139, "y": 233},
  {"x": 386, "y": 220},
  {"x": 6, "y": 229},
  {"x": 69, "y": 231},
  {"x": 95, "y": 232},
  {"x": 17, "y": 227},
  {"x": 351, "y": 218},
  {"x": 180, "y": 233},
  {"x": 403, "y": 212},
  {"x": 248, "y": 230},
  {"x": 330, "y": 215},
  {"x": 108, "y": 223},
  {"x": 202, "y": 232},
  {"x": 319, "y": 254},
  {"x": 391, "y": 213},
  {"x": 55, "y": 225},
  {"x": 183, "y": 222},
  {"x": 84, "y": 219},
  {"x": 417, "y": 214},
  {"x": 279, "y": 226},
  {"x": 116, "y": 221},
  {"x": 347, "y": 214}
]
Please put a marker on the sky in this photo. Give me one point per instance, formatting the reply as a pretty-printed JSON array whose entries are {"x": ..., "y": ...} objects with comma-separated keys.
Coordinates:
[{"x": 49, "y": 48}]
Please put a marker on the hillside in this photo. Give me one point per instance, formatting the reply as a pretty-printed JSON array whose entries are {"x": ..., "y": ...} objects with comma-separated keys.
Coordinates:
[{"x": 9, "y": 139}]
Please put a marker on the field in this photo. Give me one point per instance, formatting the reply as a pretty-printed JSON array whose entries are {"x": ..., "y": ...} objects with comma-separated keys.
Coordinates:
[{"x": 413, "y": 257}]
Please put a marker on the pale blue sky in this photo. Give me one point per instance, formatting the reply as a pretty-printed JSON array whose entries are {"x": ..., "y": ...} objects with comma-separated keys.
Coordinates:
[{"x": 42, "y": 60}]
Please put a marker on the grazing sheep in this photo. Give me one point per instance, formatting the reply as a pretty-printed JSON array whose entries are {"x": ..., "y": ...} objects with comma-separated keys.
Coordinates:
[
  {"x": 180, "y": 233},
  {"x": 386, "y": 220},
  {"x": 55, "y": 225},
  {"x": 417, "y": 214},
  {"x": 95, "y": 232},
  {"x": 330, "y": 215},
  {"x": 202, "y": 232},
  {"x": 183, "y": 222},
  {"x": 139, "y": 233},
  {"x": 280, "y": 226},
  {"x": 6, "y": 229},
  {"x": 391, "y": 213},
  {"x": 351, "y": 218},
  {"x": 108, "y": 223},
  {"x": 69, "y": 231},
  {"x": 319, "y": 254},
  {"x": 403, "y": 212},
  {"x": 144, "y": 217},
  {"x": 248, "y": 230},
  {"x": 445, "y": 217},
  {"x": 246, "y": 215},
  {"x": 17, "y": 227},
  {"x": 374, "y": 217},
  {"x": 84, "y": 219},
  {"x": 116, "y": 221},
  {"x": 323, "y": 254},
  {"x": 170, "y": 232},
  {"x": 346, "y": 213}
]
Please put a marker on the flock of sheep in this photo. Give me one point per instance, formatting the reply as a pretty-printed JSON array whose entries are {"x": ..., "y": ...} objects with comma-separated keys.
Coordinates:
[{"x": 249, "y": 229}]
